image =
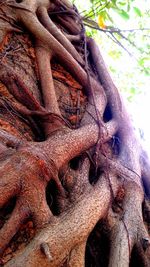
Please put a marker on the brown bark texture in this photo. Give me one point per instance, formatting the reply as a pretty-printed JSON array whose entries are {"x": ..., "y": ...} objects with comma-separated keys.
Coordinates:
[{"x": 74, "y": 180}]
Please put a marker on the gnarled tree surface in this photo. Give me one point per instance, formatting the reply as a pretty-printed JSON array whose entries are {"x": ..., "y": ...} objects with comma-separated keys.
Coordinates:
[{"x": 74, "y": 181}]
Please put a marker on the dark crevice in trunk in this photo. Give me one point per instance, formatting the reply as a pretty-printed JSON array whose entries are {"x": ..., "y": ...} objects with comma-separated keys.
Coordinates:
[
  {"x": 98, "y": 247},
  {"x": 136, "y": 260}
]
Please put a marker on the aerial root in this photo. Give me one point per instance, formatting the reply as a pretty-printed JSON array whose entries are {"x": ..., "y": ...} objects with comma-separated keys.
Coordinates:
[
  {"x": 70, "y": 25},
  {"x": 55, "y": 48},
  {"x": 10, "y": 227},
  {"x": 105, "y": 78},
  {"x": 69, "y": 227},
  {"x": 73, "y": 142},
  {"x": 73, "y": 38},
  {"x": 28, "y": 186},
  {"x": 129, "y": 229},
  {"x": 48, "y": 90},
  {"x": 128, "y": 155},
  {"x": 49, "y": 42},
  {"x": 18, "y": 108},
  {"x": 66, "y": 5},
  {"x": 60, "y": 37}
]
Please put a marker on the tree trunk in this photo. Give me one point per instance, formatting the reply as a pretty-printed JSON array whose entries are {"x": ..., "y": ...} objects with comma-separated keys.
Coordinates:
[{"x": 75, "y": 182}]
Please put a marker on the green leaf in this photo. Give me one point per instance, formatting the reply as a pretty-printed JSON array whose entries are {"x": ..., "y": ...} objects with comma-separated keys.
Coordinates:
[
  {"x": 128, "y": 7},
  {"x": 132, "y": 90},
  {"x": 103, "y": 14},
  {"x": 143, "y": 60},
  {"x": 124, "y": 14},
  {"x": 137, "y": 11},
  {"x": 114, "y": 1},
  {"x": 122, "y": 3}
]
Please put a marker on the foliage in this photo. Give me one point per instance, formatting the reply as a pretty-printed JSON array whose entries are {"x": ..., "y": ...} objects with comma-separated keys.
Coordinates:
[{"x": 121, "y": 26}]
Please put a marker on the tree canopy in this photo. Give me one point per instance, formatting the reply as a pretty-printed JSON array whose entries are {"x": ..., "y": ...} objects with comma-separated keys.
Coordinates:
[{"x": 122, "y": 30}]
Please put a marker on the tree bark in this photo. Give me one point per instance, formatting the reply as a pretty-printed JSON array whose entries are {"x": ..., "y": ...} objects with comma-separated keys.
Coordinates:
[{"x": 74, "y": 178}]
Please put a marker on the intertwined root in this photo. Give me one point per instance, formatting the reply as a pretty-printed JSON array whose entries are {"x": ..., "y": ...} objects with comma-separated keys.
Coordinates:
[
  {"x": 25, "y": 175},
  {"x": 31, "y": 165}
]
